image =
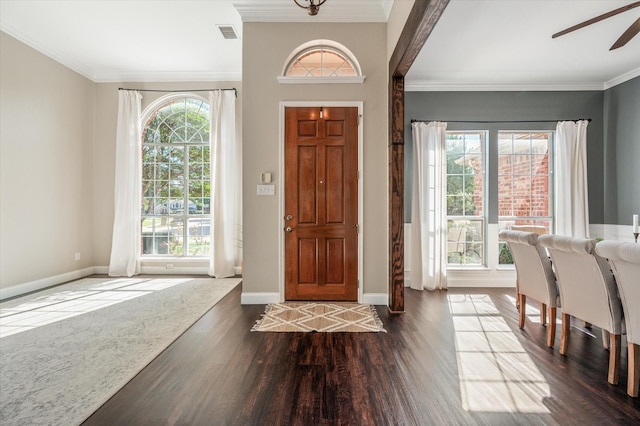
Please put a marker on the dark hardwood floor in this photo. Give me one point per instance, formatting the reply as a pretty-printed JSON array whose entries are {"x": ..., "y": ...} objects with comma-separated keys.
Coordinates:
[{"x": 455, "y": 357}]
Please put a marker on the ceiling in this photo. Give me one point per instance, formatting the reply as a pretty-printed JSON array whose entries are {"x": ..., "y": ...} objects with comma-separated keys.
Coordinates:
[{"x": 476, "y": 45}]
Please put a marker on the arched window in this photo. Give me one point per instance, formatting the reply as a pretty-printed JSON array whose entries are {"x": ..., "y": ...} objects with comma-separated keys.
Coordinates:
[
  {"x": 176, "y": 181},
  {"x": 321, "y": 61}
]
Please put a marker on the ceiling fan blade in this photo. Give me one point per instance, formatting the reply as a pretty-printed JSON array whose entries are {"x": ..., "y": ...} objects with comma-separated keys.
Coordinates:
[
  {"x": 627, "y": 35},
  {"x": 597, "y": 19}
]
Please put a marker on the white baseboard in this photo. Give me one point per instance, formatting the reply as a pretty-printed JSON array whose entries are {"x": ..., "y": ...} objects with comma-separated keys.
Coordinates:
[
  {"x": 259, "y": 298},
  {"x": 176, "y": 270},
  {"x": 375, "y": 299},
  {"x": 28, "y": 287},
  {"x": 103, "y": 270}
]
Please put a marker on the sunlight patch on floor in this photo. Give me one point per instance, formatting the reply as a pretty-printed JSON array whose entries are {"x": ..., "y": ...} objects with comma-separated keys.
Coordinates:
[
  {"x": 496, "y": 374},
  {"x": 64, "y": 304},
  {"x": 533, "y": 311}
]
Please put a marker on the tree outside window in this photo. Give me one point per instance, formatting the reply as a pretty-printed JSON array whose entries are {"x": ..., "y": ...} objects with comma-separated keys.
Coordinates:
[{"x": 176, "y": 184}]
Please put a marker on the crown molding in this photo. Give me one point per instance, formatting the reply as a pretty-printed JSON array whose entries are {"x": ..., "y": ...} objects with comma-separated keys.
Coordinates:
[
  {"x": 443, "y": 86},
  {"x": 158, "y": 77},
  {"x": 470, "y": 86},
  {"x": 53, "y": 54},
  {"x": 622, "y": 78},
  {"x": 115, "y": 76},
  {"x": 331, "y": 11}
]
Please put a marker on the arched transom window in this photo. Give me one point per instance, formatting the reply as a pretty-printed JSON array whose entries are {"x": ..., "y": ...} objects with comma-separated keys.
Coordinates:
[{"x": 321, "y": 61}]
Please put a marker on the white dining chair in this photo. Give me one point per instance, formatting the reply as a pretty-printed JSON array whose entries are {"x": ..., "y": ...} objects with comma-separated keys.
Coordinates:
[
  {"x": 539, "y": 230},
  {"x": 624, "y": 258},
  {"x": 588, "y": 291},
  {"x": 535, "y": 277}
]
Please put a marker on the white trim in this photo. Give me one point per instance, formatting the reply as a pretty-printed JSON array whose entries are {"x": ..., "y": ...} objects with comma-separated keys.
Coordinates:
[
  {"x": 101, "y": 270},
  {"x": 28, "y": 287},
  {"x": 359, "y": 79},
  {"x": 503, "y": 278},
  {"x": 375, "y": 299},
  {"x": 281, "y": 213},
  {"x": 348, "y": 11},
  {"x": 444, "y": 86},
  {"x": 176, "y": 270},
  {"x": 157, "y": 77},
  {"x": 57, "y": 55},
  {"x": 259, "y": 298},
  {"x": 622, "y": 78},
  {"x": 611, "y": 232},
  {"x": 105, "y": 76}
]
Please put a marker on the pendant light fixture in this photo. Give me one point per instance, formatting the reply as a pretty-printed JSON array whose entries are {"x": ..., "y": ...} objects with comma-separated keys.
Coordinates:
[{"x": 313, "y": 8}]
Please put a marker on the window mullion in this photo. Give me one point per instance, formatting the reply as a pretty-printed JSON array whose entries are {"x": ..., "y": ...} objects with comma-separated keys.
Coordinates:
[{"x": 186, "y": 183}]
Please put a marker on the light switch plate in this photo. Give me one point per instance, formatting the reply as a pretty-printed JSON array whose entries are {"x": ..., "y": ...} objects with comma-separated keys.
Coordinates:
[{"x": 266, "y": 189}]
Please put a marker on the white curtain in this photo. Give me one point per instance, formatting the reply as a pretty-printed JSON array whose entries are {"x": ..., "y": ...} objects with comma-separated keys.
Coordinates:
[
  {"x": 428, "y": 261},
  {"x": 125, "y": 243},
  {"x": 572, "y": 215},
  {"x": 225, "y": 174}
]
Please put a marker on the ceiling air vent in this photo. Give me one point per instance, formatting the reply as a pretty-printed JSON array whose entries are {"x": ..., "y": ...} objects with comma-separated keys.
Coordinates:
[{"x": 228, "y": 32}]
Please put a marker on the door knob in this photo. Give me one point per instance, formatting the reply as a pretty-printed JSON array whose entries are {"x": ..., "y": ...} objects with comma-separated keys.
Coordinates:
[
  {"x": 289, "y": 217},
  {"x": 288, "y": 229}
]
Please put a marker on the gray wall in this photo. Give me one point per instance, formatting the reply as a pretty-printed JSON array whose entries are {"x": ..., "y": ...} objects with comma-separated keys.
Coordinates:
[
  {"x": 510, "y": 106},
  {"x": 622, "y": 152}
]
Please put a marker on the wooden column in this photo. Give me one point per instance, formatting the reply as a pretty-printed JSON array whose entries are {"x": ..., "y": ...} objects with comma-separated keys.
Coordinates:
[
  {"x": 396, "y": 196},
  {"x": 421, "y": 21}
]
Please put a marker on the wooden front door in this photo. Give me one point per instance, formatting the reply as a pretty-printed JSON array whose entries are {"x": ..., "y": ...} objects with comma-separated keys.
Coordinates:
[{"x": 321, "y": 203}]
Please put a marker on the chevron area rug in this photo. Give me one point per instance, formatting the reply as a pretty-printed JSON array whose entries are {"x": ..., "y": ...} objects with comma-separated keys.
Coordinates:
[
  {"x": 66, "y": 350},
  {"x": 325, "y": 317}
]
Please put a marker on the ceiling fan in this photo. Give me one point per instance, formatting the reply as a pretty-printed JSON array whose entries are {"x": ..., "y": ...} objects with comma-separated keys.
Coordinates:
[{"x": 623, "y": 39}]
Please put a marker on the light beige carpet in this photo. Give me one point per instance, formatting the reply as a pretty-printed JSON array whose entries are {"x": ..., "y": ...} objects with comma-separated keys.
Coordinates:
[
  {"x": 66, "y": 350},
  {"x": 319, "y": 316}
]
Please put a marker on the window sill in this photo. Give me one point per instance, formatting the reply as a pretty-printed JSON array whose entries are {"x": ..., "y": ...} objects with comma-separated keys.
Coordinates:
[
  {"x": 506, "y": 268},
  {"x": 171, "y": 259}
]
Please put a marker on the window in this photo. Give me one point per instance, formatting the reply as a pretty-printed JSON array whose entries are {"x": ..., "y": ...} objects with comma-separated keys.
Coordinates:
[
  {"x": 524, "y": 182},
  {"x": 176, "y": 181},
  {"x": 321, "y": 61},
  {"x": 465, "y": 198}
]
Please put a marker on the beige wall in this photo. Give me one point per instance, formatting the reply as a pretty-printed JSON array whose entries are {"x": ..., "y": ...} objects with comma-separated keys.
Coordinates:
[
  {"x": 58, "y": 151},
  {"x": 265, "y": 48},
  {"x": 46, "y": 174},
  {"x": 57, "y": 166}
]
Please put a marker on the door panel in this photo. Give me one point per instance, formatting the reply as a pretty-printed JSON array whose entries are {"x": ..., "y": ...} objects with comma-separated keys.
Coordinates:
[
  {"x": 321, "y": 196},
  {"x": 335, "y": 185}
]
